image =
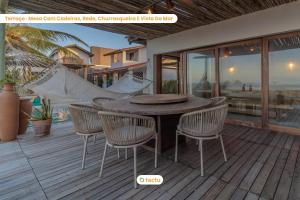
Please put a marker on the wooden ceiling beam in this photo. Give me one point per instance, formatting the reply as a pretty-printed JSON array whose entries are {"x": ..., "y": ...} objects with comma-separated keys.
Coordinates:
[{"x": 191, "y": 13}]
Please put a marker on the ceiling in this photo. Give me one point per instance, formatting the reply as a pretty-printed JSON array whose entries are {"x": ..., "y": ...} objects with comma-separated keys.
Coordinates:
[{"x": 191, "y": 13}]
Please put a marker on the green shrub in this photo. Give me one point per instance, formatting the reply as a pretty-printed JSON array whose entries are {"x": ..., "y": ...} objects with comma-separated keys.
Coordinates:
[
  {"x": 11, "y": 76},
  {"x": 169, "y": 87},
  {"x": 42, "y": 113}
]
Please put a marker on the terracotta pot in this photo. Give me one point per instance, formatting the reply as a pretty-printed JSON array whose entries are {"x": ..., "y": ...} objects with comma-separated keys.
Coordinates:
[
  {"x": 9, "y": 115},
  {"x": 25, "y": 107},
  {"x": 42, "y": 127}
]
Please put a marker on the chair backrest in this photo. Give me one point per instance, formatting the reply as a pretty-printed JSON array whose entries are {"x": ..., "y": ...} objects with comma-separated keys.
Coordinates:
[
  {"x": 126, "y": 129},
  {"x": 97, "y": 102},
  {"x": 85, "y": 118},
  {"x": 207, "y": 122},
  {"x": 216, "y": 101}
]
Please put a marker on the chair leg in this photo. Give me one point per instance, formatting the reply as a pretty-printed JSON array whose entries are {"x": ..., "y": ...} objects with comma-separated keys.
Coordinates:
[
  {"x": 134, "y": 166},
  {"x": 94, "y": 139},
  {"x": 223, "y": 148},
  {"x": 201, "y": 156},
  {"x": 176, "y": 147},
  {"x": 118, "y": 153},
  {"x": 103, "y": 159},
  {"x": 85, "y": 140},
  {"x": 155, "y": 156},
  {"x": 126, "y": 155}
]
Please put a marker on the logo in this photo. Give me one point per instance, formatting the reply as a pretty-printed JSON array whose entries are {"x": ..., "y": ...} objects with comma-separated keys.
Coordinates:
[{"x": 150, "y": 179}]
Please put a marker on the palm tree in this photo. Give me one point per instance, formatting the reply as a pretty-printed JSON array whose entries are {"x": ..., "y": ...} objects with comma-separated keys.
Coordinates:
[{"x": 36, "y": 44}]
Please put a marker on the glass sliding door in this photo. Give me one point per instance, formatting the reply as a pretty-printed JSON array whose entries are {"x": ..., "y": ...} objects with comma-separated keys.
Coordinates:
[
  {"x": 239, "y": 77},
  {"x": 169, "y": 74},
  {"x": 201, "y": 73},
  {"x": 284, "y": 81},
  {"x": 240, "y": 80}
]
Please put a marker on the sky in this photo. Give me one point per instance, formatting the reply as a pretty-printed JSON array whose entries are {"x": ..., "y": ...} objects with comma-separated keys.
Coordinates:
[{"x": 93, "y": 37}]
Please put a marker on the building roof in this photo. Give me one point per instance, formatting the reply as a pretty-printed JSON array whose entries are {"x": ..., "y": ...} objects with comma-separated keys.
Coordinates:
[
  {"x": 77, "y": 47},
  {"x": 124, "y": 49},
  {"x": 123, "y": 68},
  {"x": 80, "y": 48},
  {"x": 190, "y": 13}
]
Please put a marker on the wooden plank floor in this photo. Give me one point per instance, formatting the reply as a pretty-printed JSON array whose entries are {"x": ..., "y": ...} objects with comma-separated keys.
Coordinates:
[{"x": 261, "y": 165}]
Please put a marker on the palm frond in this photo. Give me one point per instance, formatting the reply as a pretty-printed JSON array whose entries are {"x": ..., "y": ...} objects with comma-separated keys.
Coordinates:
[
  {"x": 19, "y": 44},
  {"x": 28, "y": 46},
  {"x": 47, "y": 46},
  {"x": 43, "y": 34}
]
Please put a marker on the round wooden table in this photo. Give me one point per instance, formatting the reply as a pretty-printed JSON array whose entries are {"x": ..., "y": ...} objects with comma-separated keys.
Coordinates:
[{"x": 166, "y": 115}]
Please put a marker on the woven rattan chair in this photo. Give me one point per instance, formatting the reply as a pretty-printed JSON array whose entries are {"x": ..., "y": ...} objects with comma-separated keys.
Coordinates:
[
  {"x": 202, "y": 125},
  {"x": 216, "y": 101},
  {"x": 86, "y": 123},
  {"x": 127, "y": 131}
]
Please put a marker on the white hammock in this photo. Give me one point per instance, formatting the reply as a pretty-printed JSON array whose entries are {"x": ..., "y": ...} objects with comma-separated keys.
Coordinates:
[
  {"x": 63, "y": 86},
  {"x": 129, "y": 84}
]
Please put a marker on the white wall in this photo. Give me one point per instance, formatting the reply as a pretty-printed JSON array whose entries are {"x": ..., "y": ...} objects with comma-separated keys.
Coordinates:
[
  {"x": 82, "y": 55},
  {"x": 142, "y": 55},
  {"x": 85, "y": 57},
  {"x": 274, "y": 20},
  {"x": 120, "y": 58}
]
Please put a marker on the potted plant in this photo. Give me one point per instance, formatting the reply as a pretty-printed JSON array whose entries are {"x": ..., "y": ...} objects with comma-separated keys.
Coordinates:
[
  {"x": 41, "y": 118},
  {"x": 9, "y": 106}
]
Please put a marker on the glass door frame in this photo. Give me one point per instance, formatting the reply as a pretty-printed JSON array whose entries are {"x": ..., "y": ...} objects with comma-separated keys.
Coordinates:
[
  {"x": 215, "y": 90},
  {"x": 178, "y": 69},
  {"x": 157, "y": 60},
  {"x": 267, "y": 123},
  {"x": 260, "y": 123}
]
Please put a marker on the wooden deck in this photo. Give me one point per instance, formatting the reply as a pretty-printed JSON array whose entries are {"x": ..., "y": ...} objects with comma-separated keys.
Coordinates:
[{"x": 261, "y": 164}]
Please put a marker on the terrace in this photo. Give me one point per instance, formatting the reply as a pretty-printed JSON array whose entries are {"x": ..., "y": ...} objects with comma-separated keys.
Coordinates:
[{"x": 246, "y": 51}]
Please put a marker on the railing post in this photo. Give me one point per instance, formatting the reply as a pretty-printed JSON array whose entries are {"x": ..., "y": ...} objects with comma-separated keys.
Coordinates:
[{"x": 3, "y": 9}]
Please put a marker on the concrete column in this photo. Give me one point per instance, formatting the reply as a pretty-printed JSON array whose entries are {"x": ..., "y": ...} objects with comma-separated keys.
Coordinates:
[
  {"x": 85, "y": 73},
  {"x": 104, "y": 77},
  {"x": 130, "y": 72},
  {"x": 96, "y": 80},
  {"x": 3, "y": 9},
  {"x": 115, "y": 77}
]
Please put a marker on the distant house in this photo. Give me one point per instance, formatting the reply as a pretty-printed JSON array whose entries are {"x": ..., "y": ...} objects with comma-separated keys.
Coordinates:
[
  {"x": 110, "y": 65},
  {"x": 100, "y": 57},
  {"x": 131, "y": 59},
  {"x": 102, "y": 66},
  {"x": 99, "y": 63},
  {"x": 79, "y": 64}
]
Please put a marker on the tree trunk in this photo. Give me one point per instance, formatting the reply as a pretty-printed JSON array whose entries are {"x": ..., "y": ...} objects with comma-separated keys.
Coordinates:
[{"x": 3, "y": 9}]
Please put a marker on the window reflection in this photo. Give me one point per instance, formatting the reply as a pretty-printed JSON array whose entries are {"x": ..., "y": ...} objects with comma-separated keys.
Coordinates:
[
  {"x": 284, "y": 81},
  {"x": 240, "y": 80},
  {"x": 200, "y": 73}
]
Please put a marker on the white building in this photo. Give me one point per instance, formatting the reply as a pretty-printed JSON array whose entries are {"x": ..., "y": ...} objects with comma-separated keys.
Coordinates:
[
  {"x": 84, "y": 56},
  {"x": 79, "y": 63},
  {"x": 126, "y": 60}
]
